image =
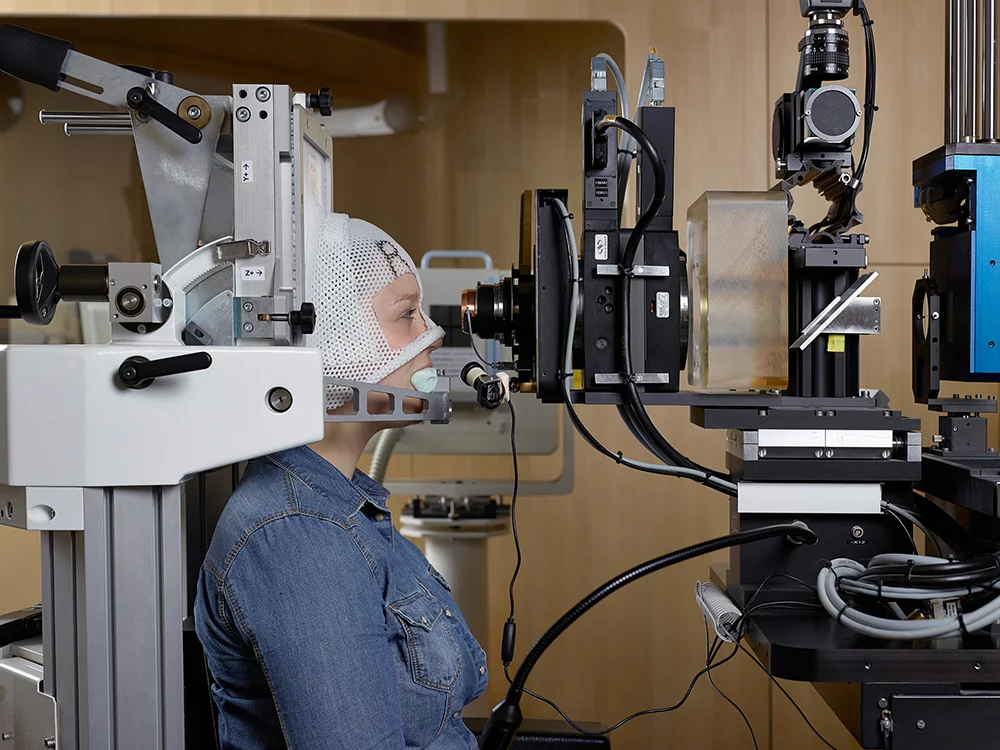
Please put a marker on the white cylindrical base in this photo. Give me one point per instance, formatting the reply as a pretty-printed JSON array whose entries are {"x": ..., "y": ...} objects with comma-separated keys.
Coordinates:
[{"x": 463, "y": 563}]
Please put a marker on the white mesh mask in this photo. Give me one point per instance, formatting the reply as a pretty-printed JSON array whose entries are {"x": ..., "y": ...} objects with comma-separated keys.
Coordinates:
[{"x": 349, "y": 262}]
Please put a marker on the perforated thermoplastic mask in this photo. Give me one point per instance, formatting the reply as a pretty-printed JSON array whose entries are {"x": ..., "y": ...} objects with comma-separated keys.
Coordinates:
[{"x": 348, "y": 262}]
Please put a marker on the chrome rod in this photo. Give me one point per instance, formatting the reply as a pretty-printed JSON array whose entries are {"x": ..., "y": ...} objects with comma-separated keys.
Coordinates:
[
  {"x": 953, "y": 116},
  {"x": 76, "y": 129},
  {"x": 84, "y": 118},
  {"x": 972, "y": 66},
  {"x": 991, "y": 37}
]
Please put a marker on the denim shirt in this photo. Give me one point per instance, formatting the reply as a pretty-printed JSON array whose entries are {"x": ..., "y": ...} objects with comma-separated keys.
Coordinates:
[{"x": 323, "y": 627}]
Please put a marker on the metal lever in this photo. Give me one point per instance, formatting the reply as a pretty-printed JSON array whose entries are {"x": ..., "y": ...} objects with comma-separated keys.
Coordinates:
[
  {"x": 139, "y": 372},
  {"x": 139, "y": 100}
]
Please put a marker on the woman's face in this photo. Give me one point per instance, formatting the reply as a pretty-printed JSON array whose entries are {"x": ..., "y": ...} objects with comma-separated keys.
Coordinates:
[{"x": 397, "y": 308}]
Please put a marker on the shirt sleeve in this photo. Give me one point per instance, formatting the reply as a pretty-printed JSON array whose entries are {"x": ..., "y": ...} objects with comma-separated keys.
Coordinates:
[{"x": 303, "y": 595}]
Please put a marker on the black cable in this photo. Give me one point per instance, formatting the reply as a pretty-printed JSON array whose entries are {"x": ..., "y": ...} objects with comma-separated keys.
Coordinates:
[
  {"x": 777, "y": 684},
  {"x": 870, "y": 79},
  {"x": 909, "y": 534},
  {"x": 510, "y": 627},
  {"x": 647, "y": 712},
  {"x": 797, "y": 531},
  {"x": 708, "y": 661},
  {"x": 513, "y": 506},
  {"x": 628, "y": 259},
  {"x": 594, "y": 443}
]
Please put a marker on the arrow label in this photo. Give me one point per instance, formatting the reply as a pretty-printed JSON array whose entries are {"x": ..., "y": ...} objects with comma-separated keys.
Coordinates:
[
  {"x": 255, "y": 273},
  {"x": 246, "y": 172}
]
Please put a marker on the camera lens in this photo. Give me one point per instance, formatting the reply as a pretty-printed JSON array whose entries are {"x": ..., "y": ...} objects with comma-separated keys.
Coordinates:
[
  {"x": 825, "y": 48},
  {"x": 491, "y": 307}
]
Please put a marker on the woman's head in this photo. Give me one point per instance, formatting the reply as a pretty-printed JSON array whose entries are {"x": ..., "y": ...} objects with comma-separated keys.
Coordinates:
[{"x": 369, "y": 321}]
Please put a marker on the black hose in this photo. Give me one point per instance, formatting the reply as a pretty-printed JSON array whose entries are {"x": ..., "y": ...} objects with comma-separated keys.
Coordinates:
[{"x": 796, "y": 531}]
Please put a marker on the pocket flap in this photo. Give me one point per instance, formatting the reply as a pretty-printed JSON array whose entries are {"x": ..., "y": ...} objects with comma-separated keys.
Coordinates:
[{"x": 419, "y": 610}]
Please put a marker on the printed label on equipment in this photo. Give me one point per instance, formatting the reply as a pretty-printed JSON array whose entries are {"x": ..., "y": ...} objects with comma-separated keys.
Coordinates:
[
  {"x": 601, "y": 247},
  {"x": 246, "y": 171},
  {"x": 254, "y": 273},
  {"x": 312, "y": 176},
  {"x": 663, "y": 304}
]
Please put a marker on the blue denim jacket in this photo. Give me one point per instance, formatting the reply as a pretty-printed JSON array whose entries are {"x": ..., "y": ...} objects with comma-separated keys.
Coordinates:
[{"x": 325, "y": 628}]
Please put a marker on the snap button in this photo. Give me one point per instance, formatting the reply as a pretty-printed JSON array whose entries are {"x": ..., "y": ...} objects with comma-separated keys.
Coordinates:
[{"x": 380, "y": 516}]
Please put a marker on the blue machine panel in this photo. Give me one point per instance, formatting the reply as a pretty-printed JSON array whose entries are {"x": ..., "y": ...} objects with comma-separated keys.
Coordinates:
[{"x": 965, "y": 263}]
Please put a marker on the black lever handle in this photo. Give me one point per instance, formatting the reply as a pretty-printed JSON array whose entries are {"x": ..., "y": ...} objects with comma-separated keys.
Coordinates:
[
  {"x": 139, "y": 100},
  {"x": 139, "y": 372}
]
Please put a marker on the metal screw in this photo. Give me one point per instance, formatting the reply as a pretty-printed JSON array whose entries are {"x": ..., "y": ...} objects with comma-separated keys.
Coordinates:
[
  {"x": 829, "y": 452},
  {"x": 167, "y": 302},
  {"x": 868, "y": 665},
  {"x": 608, "y": 308},
  {"x": 194, "y": 112},
  {"x": 819, "y": 453},
  {"x": 10, "y": 510},
  {"x": 887, "y": 413},
  {"x": 883, "y": 703},
  {"x": 762, "y": 452},
  {"x": 111, "y": 282},
  {"x": 248, "y": 327},
  {"x": 954, "y": 429},
  {"x": 762, "y": 412},
  {"x": 7, "y": 736},
  {"x": 141, "y": 328},
  {"x": 857, "y": 532},
  {"x": 935, "y": 315},
  {"x": 279, "y": 399},
  {"x": 875, "y": 328},
  {"x": 50, "y": 742},
  {"x": 602, "y": 344},
  {"x": 263, "y": 94},
  {"x": 921, "y": 723},
  {"x": 886, "y": 453},
  {"x": 130, "y": 301},
  {"x": 977, "y": 667},
  {"x": 248, "y": 306},
  {"x": 242, "y": 114}
]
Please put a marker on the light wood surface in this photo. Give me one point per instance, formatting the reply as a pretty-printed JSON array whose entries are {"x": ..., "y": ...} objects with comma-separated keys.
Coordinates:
[{"x": 511, "y": 122}]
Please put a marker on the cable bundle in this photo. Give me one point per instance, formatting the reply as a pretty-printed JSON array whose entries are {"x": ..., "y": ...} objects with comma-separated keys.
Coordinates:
[{"x": 895, "y": 578}]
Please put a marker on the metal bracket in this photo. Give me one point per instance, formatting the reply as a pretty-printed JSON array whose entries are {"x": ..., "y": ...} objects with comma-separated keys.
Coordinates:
[
  {"x": 822, "y": 323},
  {"x": 437, "y": 403},
  {"x": 255, "y": 317},
  {"x": 240, "y": 249},
  {"x": 609, "y": 269},
  {"x": 862, "y": 316}
]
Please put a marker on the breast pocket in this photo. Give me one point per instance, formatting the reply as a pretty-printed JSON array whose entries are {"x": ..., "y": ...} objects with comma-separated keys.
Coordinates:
[{"x": 435, "y": 657}]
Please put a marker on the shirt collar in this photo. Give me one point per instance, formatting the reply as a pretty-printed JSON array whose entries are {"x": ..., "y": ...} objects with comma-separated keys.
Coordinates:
[{"x": 326, "y": 479}]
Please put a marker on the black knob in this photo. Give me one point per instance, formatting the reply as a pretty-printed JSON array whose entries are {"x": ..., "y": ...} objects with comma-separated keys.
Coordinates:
[
  {"x": 36, "y": 282},
  {"x": 323, "y": 101},
  {"x": 304, "y": 319}
]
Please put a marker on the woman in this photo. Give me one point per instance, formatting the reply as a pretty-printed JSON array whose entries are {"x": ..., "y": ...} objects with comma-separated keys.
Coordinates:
[{"x": 323, "y": 627}]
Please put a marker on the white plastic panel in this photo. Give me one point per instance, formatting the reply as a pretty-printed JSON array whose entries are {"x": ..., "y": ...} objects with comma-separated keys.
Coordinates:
[
  {"x": 69, "y": 424},
  {"x": 808, "y": 497}
]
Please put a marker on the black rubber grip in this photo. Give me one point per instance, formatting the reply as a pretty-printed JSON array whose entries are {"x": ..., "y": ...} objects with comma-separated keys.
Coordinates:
[{"x": 32, "y": 57}]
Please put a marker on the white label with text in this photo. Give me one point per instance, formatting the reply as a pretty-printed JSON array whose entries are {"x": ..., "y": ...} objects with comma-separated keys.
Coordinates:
[{"x": 601, "y": 247}]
